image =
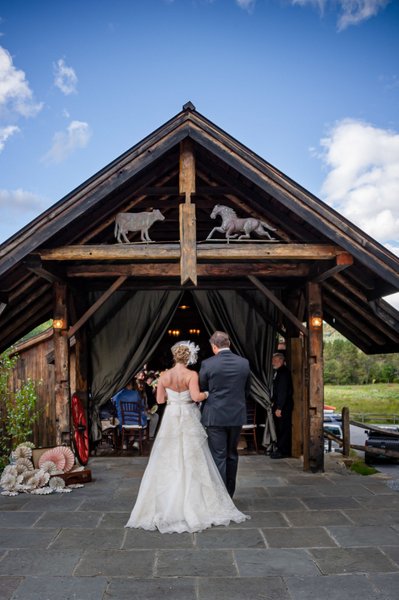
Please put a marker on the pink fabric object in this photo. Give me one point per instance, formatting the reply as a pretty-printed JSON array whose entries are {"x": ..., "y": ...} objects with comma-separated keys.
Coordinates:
[
  {"x": 56, "y": 455},
  {"x": 69, "y": 458}
]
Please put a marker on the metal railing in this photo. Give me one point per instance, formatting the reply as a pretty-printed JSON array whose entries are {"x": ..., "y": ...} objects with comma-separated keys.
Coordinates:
[{"x": 375, "y": 418}]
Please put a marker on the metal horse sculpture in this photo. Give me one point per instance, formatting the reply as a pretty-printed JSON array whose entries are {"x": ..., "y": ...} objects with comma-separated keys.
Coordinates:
[{"x": 231, "y": 225}]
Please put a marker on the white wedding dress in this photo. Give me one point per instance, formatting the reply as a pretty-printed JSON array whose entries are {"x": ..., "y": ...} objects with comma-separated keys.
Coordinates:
[{"x": 182, "y": 489}]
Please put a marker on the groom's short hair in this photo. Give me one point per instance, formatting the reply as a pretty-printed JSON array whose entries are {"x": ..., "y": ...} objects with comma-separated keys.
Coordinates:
[{"x": 220, "y": 339}]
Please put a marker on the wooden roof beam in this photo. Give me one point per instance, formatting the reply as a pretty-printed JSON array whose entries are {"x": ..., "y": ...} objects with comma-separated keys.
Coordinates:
[
  {"x": 280, "y": 270},
  {"x": 224, "y": 252},
  {"x": 90, "y": 312},
  {"x": 342, "y": 261},
  {"x": 278, "y": 304},
  {"x": 35, "y": 265}
]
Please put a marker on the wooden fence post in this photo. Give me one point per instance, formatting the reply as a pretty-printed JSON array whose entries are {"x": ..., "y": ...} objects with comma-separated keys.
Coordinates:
[{"x": 346, "y": 432}]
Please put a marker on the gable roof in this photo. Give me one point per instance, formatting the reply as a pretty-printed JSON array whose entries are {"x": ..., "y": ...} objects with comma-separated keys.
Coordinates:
[{"x": 227, "y": 173}]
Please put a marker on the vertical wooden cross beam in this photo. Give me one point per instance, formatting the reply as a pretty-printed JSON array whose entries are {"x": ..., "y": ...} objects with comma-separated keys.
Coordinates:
[
  {"x": 188, "y": 238},
  {"x": 61, "y": 362},
  {"x": 316, "y": 379}
]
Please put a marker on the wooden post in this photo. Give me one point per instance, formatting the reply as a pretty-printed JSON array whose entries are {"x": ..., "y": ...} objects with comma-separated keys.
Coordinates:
[
  {"x": 61, "y": 363},
  {"x": 296, "y": 365},
  {"x": 187, "y": 169},
  {"x": 188, "y": 237},
  {"x": 316, "y": 380},
  {"x": 346, "y": 431},
  {"x": 188, "y": 244}
]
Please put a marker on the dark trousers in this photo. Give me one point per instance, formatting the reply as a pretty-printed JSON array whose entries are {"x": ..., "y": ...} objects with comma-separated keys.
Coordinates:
[
  {"x": 283, "y": 431},
  {"x": 223, "y": 442}
]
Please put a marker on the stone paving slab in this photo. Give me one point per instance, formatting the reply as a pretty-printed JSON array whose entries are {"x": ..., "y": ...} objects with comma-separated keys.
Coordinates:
[
  {"x": 261, "y": 519},
  {"x": 316, "y": 518},
  {"x": 279, "y": 504},
  {"x": 44, "y": 563},
  {"x": 195, "y": 563},
  {"x": 272, "y": 562},
  {"x": 60, "y": 588},
  {"x": 393, "y": 553},
  {"x": 116, "y": 563},
  {"x": 256, "y": 588},
  {"x": 335, "y": 587},
  {"x": 68, "y": 519},
  {"x": 387, "y": 585},
  {"x": 88, "y": 538},
  {"x": 111, "y": 520},
  {"x": 332, "y": 502},
  {"x": 27, "y": 538},
  {"x": 298, "y": 537},
  {"x": 18, "y": 518},
  {"x": 372, "y": 517},
  {"x": 138, "y": 538},
  {"x": 8, "y": 585},
  {"x": 221, "y": 537},
  {"x": 333, "y": 561},
  {"x": 156, "y": 589},
  {"x": 362, "y": 536}
]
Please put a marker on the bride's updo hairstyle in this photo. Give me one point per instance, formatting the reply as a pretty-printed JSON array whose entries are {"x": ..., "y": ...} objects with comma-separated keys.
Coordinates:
[
  {"x": 181, "y": 354},
  {"x": 185, "y": 353}
]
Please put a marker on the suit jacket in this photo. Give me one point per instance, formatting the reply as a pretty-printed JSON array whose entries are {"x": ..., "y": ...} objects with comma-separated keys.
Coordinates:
[
  {"x": 226, "y": 377},
  {"x": 282, "y": 389}
]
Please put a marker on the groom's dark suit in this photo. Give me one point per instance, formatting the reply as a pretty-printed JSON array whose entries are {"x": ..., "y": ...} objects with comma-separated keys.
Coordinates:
[{"x": 226, "y": 377}]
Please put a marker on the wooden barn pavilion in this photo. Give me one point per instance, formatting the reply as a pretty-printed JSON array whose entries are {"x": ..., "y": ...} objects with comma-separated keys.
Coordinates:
[{"x": 67, "y": 265}]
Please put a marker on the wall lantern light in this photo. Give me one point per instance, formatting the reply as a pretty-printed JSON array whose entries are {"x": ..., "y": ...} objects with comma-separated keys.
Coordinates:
[
  {"x": 194, "y": 331},
  {"x": 59, "y": 324},
  {"x": 316, "y": 322}
]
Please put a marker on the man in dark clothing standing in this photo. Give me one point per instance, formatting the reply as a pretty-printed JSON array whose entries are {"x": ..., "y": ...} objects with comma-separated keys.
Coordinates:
[
  {"x": 225, "y": 377},
  {"x": 282, "y": 405}
]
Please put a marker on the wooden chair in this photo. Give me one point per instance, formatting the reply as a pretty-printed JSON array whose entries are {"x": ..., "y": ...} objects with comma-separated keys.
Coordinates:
[
  {"x": 249, "y": 429},
  {"x": 134, "y": 423}
]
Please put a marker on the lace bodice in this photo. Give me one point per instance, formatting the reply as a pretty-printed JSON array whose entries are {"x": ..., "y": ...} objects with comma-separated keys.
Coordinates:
[{"x": 174, "y": 397}]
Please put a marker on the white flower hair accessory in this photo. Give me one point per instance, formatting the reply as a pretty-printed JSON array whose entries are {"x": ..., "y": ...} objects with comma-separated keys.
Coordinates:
[{"x": 194, "y": 349}]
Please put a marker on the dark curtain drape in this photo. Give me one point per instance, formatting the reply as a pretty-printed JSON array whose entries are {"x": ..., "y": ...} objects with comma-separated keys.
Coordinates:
[
  {"x": 124, "y": 333},
  {"x": 248, "y": 317}
]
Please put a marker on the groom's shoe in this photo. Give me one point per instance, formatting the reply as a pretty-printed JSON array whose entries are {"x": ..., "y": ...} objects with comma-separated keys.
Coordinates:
[{"x": 276, "y": 454}]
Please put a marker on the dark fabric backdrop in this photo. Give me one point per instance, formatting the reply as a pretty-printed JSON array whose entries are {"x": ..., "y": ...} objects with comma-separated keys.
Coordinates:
[
  {"x": 124, "y": 333},
  {"x": 248, "y": 318}
]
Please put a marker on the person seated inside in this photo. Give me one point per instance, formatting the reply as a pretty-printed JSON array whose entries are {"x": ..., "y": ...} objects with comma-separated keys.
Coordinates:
[
  {"x": 130, "y": 393},
  {"x": 144, "y": 383}
]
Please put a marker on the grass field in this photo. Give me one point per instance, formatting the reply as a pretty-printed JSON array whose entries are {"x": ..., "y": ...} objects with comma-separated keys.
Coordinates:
[{"x": 376, "y": 399}]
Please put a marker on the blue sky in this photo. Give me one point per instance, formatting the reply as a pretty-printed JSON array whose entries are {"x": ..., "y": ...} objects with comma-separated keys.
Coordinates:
[{"x": 310, "y": 85}]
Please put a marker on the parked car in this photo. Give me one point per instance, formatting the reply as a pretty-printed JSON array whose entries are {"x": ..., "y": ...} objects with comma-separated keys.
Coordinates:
[
  {"x": 381, "y": 439},
  {"x": 335, "y": 429}
]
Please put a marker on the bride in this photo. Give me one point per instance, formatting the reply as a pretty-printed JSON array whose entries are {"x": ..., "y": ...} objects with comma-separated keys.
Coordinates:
[{"x": 182, "y": 489}]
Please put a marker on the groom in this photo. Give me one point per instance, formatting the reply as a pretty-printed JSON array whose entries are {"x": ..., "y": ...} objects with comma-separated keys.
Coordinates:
[{"x": 226, "y": 378}]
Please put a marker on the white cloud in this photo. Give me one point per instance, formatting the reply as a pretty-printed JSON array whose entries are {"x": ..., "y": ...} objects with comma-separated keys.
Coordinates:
[
  {"x": 352, "y": 12},
  {"x": 65, "y": 78},
  {"x": 19, "y": 201},
  {"x": 356, "y": 11},
  {"x": 248, "y": 5},
  {"x": 363, "y": 179},
  {"x": 15, "y": 93},
  {"x": 5, "y": 133},
  {"x": 66, "y": 142}
]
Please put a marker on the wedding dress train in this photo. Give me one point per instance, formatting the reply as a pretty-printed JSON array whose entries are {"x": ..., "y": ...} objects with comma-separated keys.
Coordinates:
[{"x": 182, "y": 489}]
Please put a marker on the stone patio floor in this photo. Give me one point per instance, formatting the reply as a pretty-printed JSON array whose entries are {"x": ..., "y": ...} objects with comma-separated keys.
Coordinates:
[{"x": 311, "y": 537}]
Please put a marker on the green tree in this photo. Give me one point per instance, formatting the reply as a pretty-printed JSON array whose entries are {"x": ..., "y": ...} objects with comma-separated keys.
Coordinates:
[{"x": 18, "y": 411}]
